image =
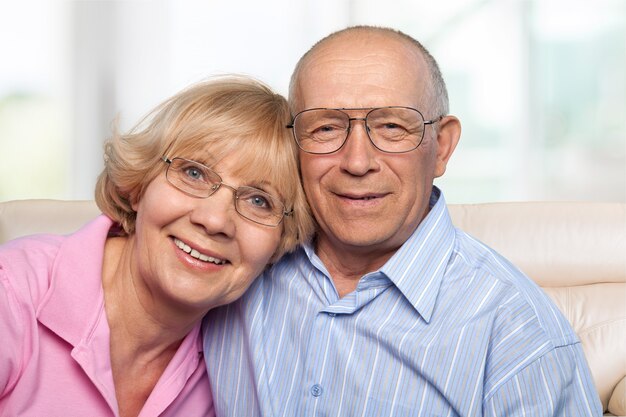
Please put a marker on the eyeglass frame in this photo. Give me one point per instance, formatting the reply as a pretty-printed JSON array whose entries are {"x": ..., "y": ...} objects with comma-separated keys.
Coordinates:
[
  {"x": 367, "y": 129},
  {"x": 215, "y": 187}
]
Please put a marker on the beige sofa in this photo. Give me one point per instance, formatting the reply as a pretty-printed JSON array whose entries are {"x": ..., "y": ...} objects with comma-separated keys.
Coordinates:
[{"x": 575, "y": 251}]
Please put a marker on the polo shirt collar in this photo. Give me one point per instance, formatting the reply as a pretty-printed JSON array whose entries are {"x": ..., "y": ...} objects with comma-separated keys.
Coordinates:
[{"x": 74, "y": 300}]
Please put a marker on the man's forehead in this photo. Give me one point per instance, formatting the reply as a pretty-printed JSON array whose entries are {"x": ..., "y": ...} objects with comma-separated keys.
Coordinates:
[{"x": 356, "y": 79}]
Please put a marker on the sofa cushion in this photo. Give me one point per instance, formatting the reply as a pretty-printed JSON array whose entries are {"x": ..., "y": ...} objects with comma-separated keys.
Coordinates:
[
  {"x": 575, "y": 251},
  {"x": 617, "y": 404}
]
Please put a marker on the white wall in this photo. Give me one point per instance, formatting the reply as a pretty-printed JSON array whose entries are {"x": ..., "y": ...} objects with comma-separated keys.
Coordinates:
[{"x": 520, "y": 74}]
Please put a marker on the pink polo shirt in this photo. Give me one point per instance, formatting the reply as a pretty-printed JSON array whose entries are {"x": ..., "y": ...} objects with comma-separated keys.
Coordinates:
[{"x": 54, "y": 335}]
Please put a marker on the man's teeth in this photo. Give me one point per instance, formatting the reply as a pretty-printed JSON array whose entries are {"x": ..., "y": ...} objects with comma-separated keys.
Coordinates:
[{"x": 195, "y": 254}]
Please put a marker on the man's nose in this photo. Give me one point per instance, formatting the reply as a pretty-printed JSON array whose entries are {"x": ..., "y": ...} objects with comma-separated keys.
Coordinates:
[{"x": 358, "y": 153}]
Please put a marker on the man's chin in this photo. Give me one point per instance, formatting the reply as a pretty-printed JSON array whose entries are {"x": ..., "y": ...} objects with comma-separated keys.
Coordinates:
[{"x": 362, "y": 236}]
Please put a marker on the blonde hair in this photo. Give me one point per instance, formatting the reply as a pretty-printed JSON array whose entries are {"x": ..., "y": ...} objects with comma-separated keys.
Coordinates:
[{"x": 225, "y": 115}]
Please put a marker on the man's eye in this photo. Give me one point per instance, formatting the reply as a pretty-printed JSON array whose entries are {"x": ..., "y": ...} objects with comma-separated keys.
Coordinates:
[
  {"x": 325, "y": 129},
  {"x": 392, "y": 126}
]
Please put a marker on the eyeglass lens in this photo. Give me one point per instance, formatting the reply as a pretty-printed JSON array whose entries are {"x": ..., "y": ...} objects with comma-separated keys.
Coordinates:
[
  {"x": 391, "y": 129},
  {"x": 200, "y": 181}
]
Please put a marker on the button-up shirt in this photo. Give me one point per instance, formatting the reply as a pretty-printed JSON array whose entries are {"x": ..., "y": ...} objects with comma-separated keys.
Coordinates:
[{"x": 447, "y": 327}]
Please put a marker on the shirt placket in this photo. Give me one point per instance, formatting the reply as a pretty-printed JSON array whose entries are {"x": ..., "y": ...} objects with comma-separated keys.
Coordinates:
[{"x": 326, "y": 327}]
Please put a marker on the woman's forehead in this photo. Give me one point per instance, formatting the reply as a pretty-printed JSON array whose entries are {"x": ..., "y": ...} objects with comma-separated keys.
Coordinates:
[
  {"x": 249, "y": 159},
  {"x": 243, "y": 165}
]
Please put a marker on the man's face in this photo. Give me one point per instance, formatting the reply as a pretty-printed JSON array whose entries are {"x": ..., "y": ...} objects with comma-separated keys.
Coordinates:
[{"x": 367, "y": 201}]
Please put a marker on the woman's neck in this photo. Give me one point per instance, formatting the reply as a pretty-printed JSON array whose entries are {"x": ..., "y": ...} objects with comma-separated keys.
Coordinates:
[{"x": 144, "y": 334}]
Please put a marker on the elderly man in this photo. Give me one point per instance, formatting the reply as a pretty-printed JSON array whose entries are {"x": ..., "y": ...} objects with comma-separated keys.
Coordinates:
[{"x": 390, "y": 310}]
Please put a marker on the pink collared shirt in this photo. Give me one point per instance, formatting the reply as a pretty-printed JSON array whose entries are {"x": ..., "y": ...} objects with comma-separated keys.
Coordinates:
[{"x": 54, "y": 335}]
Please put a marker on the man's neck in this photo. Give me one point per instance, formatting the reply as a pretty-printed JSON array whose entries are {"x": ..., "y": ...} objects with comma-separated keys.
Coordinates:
[{"x": 347, "y": 265}]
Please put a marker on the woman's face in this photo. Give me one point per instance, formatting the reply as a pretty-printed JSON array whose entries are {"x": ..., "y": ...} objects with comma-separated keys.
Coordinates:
[{"x": 221, "y": 254}]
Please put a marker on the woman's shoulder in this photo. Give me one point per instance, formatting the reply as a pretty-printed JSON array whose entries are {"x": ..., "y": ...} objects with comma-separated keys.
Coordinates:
[
  {"x": 42, "y": 250},
  {"x": 32, "y": 251},
  {"x": 26, "y": 263}
]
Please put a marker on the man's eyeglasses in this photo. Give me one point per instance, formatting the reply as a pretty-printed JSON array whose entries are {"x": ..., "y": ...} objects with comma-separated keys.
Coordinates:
[
  {"x": 198, "y": 180},
  {"x": 393, "y": 129}
]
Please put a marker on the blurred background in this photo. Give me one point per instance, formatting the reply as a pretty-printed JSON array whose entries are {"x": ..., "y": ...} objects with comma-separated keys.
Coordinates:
[{"x": 539, "y": 85}]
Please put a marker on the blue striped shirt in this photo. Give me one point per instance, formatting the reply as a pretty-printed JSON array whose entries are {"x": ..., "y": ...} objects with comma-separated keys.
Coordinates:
[{"x": 447, "y": 327}]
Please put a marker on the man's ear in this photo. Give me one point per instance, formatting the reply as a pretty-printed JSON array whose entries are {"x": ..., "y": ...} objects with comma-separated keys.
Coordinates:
[{"x": 448, "y": 137}]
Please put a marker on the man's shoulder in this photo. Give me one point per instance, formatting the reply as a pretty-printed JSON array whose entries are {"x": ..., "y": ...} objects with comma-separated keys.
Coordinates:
[
  {"x": 517, "y": 290},
  {"x": 473, "y": 255}
]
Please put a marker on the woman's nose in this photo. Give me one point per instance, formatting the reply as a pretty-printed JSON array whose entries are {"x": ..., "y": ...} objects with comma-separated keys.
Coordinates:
[{"x": 216, "y": 213}]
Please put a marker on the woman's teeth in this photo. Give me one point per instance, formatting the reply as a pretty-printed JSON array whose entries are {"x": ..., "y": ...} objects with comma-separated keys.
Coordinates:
[{"x": 195, "y": 254}]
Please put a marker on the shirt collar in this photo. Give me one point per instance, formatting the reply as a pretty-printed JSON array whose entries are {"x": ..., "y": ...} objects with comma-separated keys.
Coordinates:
[
  {"x": 418, "y": 267},
  {"x": 75, "y": 297}
]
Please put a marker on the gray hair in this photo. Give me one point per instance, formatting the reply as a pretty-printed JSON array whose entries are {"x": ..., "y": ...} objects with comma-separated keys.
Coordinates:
[{"x": 437, "y": 87}]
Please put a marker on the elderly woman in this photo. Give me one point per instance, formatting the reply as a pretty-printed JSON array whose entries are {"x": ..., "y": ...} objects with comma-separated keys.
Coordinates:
[{"x": 196, "y": 201}]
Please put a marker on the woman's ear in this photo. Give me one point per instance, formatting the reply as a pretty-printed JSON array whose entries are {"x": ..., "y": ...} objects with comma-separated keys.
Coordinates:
[
  {"x": 448, "y": 137},
  {"x": 133, "y": 200}
]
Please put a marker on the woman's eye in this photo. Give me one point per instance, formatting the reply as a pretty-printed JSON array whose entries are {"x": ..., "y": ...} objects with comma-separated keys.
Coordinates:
[
  {"x": 259, "y": 201},
  {"x": 194, "y": 173}
]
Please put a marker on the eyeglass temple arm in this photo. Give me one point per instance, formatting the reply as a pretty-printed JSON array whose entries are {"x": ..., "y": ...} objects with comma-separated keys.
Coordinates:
[{"x": 430, "y": 122}]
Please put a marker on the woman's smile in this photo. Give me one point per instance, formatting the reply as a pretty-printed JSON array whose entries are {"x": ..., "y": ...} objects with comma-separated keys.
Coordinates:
[{"x": 194, "y": 253}]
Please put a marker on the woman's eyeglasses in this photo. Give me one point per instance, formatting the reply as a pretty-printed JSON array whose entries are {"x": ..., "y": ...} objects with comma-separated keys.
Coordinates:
[{"x": 200, "y": 181}]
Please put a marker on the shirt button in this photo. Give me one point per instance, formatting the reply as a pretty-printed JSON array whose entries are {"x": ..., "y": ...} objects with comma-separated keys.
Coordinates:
[
  {"x": 316, "y": 390},
  {"x": 332, "y": 314}
]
